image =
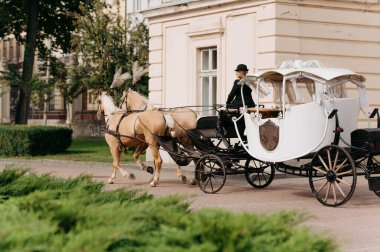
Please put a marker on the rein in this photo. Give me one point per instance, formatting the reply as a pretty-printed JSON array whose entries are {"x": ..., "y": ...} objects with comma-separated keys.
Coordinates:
[{"x": 116, "y": 133}]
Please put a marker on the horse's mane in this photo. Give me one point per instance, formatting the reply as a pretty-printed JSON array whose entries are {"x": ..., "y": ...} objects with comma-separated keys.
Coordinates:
[
  {"x": 143, "y": 98},
  {"x": 108, "y": 102}
]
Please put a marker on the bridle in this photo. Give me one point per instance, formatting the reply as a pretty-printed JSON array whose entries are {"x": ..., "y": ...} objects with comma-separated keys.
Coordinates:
[
  {"x": 99, "y": 113},
  {"x": 124, "y": 99}
]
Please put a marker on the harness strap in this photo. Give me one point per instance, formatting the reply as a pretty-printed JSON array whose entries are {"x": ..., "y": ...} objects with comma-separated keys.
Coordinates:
[{"x": 116, "y": 132}]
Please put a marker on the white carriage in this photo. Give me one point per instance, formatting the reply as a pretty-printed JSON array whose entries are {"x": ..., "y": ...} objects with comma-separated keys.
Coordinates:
[
  {"x": 307, "y": 95},
  {"x": 307, "y": 126}
]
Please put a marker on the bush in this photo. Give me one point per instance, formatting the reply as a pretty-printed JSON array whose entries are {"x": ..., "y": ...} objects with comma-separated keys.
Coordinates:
[
  {"x": 21, "y": 140},
  {"x": 44, "y": 213}
]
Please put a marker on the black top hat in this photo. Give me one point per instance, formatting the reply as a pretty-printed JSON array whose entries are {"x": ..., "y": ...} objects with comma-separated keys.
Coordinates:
[{"x": 241, "y": 67}]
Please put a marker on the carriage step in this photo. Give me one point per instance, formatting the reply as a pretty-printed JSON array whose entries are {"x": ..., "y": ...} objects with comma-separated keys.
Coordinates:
[
  {"x": 374, "y": 183},
  {"x": 302, "y": 171}
]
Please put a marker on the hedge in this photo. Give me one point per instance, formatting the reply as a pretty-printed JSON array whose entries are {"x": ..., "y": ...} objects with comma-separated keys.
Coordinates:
[
  {"x": 44, "y": 213},
  {"x": 25, "y": 140}
]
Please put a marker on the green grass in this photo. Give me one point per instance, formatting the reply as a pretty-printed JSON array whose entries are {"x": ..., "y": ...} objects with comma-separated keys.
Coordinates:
[
  {"x": 44, "y": 213},
  {"x": 88, "y": 150}
]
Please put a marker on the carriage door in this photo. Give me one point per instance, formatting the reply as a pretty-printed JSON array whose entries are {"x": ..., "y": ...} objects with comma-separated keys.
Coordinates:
[{"x": 208, "y": 80}]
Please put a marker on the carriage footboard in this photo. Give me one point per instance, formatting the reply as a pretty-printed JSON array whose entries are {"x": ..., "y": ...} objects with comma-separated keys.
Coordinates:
[{"x": 170, "y": 145}]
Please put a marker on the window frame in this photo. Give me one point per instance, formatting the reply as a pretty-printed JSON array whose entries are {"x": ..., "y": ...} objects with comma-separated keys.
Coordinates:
[{"x": 209, "y": 73}]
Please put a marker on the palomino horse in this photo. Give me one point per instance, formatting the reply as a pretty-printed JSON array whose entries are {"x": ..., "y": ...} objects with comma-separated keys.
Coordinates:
[
  {"x": 132, "y": 130},
  {"x": 184, "y": 119}
]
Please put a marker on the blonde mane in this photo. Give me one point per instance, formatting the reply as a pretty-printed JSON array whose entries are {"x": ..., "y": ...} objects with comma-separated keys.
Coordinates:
[
  {"x": 108, "y": 104},
  {"x": 146, "y": 103}
]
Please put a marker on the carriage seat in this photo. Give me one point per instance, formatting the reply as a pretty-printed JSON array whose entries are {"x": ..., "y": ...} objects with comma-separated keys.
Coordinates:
[
  {"x": 265, "y": 112},
  {"x": 208, "y": 126}
]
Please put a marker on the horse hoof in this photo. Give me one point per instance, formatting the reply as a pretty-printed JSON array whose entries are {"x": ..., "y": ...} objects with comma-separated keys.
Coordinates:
[
  {"x": 150, "y": 169},
  {"x": 132, "y": 176},
  {"x": 153, "y": 184},
  {"x": 193, "y": 182},
  {"x": 111, "y": 181},
  {"x": 184, "y": 179}
]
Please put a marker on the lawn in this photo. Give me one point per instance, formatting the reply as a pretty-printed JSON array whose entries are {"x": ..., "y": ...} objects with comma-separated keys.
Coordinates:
[{"x": 88, "y": 150}]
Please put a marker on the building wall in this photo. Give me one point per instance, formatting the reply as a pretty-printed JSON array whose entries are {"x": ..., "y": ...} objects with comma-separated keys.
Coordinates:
[
  {"x": 175, "y": 40},
  {"x": 342, "y": 35}
]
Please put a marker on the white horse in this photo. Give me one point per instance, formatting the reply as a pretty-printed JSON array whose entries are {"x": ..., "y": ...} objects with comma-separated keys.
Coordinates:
[{"x": 132, "y": 130}]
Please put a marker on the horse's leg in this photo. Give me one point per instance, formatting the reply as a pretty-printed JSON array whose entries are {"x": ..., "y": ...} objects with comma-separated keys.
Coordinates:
[
  {"x": 116, "y": 152},
  {"x": 116, "y": 157},
  {"x": 180, "y": 175},
  {"x": 157, "y": 164},
  {"x": 113, "y": 176},
  {"x": 136, "y": 156},
  {"x": 189, "y": 146}
]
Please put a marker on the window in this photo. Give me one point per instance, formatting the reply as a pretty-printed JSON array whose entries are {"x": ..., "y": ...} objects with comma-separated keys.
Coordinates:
[
  {"x": 18, "y": 52},
  {"x": 208, "y": 79},
  {"x": 51, "y": 104},
  {"x": 136, "y": 5},
  {"x": 5, "y": 56},
  {"x": 11, "y": 41}
]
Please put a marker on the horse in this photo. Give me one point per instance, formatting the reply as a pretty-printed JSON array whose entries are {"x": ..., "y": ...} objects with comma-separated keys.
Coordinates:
[
  {"x": 183, "y": 119},
  {"x": 133, "y": 130}
]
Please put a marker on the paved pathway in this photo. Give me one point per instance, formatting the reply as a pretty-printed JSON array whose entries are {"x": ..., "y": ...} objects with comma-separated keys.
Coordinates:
[{"x": 356, "y": 225}]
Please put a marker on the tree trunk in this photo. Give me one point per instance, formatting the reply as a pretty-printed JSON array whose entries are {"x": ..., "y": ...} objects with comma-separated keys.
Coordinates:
[
  {"x": 23, "y": 103},
  {"x": 69, "y": 113}
]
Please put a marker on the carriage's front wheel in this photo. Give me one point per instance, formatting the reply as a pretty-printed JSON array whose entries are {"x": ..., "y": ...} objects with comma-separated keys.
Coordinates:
[
  {"x": 332, "y": 176},
  {"x": 210, "y": 173},
  {"x": 377, "y": 193},
  {"x": 259, "y": 174}
]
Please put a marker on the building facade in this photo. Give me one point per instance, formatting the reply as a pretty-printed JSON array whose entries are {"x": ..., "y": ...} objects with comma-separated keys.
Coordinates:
[{"x": 196, "y": 45}]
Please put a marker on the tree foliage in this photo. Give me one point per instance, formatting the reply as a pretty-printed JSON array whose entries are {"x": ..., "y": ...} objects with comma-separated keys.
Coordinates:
[
  {"x": 100, "y": 39},
  {"x": 32, "y": 22}
]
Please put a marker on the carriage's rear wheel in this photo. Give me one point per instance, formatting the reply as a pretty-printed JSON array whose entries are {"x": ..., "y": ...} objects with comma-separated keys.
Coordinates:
[
  {"x": 332, "y": 176},
  {"x": 259, "y": 174},
  {"x": 377, "y": 193},
  {"x": 210, "y": 173}
]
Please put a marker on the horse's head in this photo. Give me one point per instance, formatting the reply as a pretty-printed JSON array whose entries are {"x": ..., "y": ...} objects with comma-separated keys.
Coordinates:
[
  {"x": 131, "y": 100},
  {"x": 100, "y": 111},
  {"x": 105, "y": 104}
]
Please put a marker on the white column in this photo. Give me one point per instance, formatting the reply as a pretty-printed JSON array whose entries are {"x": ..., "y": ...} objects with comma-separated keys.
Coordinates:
[{"x": 4, "y": 103}]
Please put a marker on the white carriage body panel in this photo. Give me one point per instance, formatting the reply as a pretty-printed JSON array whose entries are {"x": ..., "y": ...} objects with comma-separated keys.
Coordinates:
[
  {"x": 304, "y": 129},
  {"x": 348, "y": 114}
]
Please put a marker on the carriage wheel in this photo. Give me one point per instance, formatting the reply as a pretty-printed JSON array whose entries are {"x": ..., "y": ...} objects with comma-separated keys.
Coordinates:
[
  {"x": 332, "y": 176},
  {"x": 377, "y": 193},
  {"x": 259, "y": 174},
  {"x": 210, "y": 173}
]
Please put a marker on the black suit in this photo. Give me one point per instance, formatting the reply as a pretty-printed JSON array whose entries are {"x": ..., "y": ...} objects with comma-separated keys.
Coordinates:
[{"x": 235, "y": 100}]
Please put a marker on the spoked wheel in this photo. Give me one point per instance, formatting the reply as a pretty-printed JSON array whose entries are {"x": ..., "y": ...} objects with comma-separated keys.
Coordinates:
[
  {"x": 332, "y": 176},
  {"x": 259, "y": 174},
  {"x": 210, "y": 173},
  {"x": 377, "y": 193}
]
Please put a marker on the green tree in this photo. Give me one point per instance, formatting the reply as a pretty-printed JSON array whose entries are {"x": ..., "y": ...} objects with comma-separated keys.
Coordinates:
[
  {"x": 68, "y": 80},
  {"x": 38, "y": 20},
  {"x": 42, "y": 91},
  {"x": 100, "y": 39}
]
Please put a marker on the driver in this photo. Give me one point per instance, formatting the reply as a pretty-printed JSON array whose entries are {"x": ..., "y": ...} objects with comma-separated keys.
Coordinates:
[{"x": 235, "y": 100}]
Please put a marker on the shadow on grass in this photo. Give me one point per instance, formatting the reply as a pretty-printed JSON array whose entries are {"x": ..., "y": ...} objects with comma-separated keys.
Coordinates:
[{"x": 73, "y": 152}]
